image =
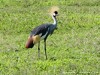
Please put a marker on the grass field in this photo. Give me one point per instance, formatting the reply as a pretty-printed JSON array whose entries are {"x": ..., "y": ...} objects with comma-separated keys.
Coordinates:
[{"x": 73, "y": 49}]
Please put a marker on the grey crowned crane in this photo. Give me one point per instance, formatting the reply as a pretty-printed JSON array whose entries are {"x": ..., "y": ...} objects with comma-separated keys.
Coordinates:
[{"x": 42, "y": 32}]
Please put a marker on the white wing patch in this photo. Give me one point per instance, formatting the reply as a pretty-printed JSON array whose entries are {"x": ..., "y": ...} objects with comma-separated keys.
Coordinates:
[{"x": 40, "y": 34}]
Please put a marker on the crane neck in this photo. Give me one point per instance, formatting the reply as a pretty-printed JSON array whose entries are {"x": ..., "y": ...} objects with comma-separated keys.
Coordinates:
[{"x": 55, "y": 20}]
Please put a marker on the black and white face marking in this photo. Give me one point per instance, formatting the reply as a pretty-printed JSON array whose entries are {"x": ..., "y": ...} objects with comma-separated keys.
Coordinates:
[{"x": 55, "y": 13}]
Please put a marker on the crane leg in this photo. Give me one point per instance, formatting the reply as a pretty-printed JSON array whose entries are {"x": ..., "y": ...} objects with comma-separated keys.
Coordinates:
[
  {"x": 45, "y": 48},
  {"x": 39, "y": 49}
]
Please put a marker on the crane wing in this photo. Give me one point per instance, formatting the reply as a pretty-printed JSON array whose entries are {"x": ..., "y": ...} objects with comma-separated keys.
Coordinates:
[{"x": 40, "y": 30}]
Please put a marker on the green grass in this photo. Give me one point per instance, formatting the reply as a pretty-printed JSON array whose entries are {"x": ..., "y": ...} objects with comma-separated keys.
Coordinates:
[{"x": 73, "y": 49}]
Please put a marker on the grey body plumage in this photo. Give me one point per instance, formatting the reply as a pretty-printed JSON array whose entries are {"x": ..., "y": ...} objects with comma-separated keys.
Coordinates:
[{"x": 43, "y": 31}]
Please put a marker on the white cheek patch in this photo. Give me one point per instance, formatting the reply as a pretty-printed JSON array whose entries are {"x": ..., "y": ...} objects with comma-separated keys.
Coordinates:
[{"x": 54, "y": 14}]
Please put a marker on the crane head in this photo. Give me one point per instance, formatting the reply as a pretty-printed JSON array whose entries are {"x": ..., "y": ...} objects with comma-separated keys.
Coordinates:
[{"x": 54, "y": 11}]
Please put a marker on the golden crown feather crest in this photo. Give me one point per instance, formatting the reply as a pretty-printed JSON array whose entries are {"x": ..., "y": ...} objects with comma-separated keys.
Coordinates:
[{"x": 53, "y": 9}]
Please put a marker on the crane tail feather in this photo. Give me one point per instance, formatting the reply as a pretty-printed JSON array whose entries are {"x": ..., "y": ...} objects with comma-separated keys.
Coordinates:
[
  {"x": 29, "y": 43},
  {"x": 32, "y": 41}
]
